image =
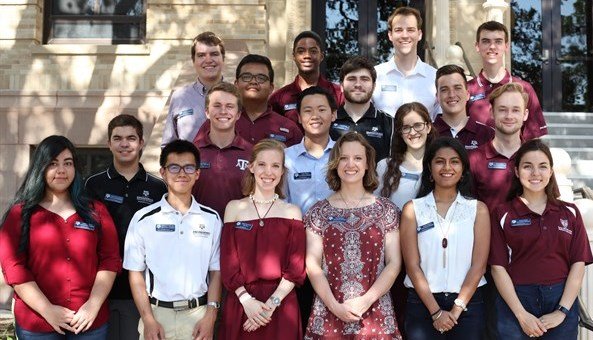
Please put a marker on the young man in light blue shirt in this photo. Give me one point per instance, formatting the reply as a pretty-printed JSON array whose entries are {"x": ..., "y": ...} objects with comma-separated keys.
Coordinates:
[{"x": 306, "y": 162}]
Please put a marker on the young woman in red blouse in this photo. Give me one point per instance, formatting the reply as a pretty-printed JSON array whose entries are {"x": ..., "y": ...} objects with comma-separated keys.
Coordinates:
[{"x": 58, "y": 250}]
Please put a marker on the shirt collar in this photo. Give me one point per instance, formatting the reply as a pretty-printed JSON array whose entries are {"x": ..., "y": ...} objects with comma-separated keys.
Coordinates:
[
  {"x": 491, "y": 152},
  {"x": 301, "y": 150},
  {"x": 482, "y": 80},
  {"x": 431, "y": 201},
  {"x": 140, "y": 174},
  {"x": 167, "y": 208},
  {"x": 266, "y": 113},
  {"x": 203, "y": 140},
  {"x": 321, "y": 82},
  {"x": 419, "y": 69},
  {"x": 522, "y": 210},
  {"x": 371, "y": 112}
]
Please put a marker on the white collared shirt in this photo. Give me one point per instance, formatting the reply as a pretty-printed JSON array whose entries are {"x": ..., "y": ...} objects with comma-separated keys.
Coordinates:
[
  {"x": 460, "y": 238},
  {"x": 177, "y": 249},
  {"x": 393, "y": 88}
]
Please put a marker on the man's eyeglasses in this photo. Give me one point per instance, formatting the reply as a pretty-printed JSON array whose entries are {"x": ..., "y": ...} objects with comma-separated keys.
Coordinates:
[
  {"x": 259, "y": 78},
  {"x": 417, "y": 127},
  {"x": 176, "y": 168}
]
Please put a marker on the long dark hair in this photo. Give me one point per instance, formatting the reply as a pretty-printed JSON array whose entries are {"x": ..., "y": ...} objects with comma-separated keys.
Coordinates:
[
  {"x": 399, "y": 147},
  {"x": 464, "y": 186},
  {"x": 32, "y": 190},
  {"x": 551, "y": 190}
]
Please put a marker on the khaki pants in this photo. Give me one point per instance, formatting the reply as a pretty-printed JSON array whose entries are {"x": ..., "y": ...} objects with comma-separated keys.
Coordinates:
[{"x": 178, "y": 325}]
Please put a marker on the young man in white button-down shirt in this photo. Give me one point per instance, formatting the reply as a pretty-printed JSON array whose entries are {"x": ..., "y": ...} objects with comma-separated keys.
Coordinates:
[
  {"x": 405, "y": 78},
  {"x": 172, "y": 252}
]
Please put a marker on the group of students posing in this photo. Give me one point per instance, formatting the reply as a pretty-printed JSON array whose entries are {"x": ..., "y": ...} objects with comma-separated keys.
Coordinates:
[{"x": 392, "y": 226}]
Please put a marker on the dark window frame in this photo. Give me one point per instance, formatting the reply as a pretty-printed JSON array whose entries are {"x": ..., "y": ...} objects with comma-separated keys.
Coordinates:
[{"x": 49, "y": 19}]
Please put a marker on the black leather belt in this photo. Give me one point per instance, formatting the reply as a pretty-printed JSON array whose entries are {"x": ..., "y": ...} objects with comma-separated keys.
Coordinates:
[{"x": 181, "y": 304}]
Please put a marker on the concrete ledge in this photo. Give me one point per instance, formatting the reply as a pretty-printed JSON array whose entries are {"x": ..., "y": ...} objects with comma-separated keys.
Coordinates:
[{"x": 89, "y": 49}]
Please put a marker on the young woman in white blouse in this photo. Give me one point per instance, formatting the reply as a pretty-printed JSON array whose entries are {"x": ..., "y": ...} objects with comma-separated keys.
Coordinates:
[{"x": 445, "y": 238}]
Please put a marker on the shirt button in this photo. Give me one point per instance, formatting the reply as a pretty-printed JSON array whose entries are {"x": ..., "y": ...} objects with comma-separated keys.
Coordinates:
[
  {"x": 181, "y": 232},
  {"x": 68, "y": 300},
  {"x": 67, "y": 240},
  {"x": 67, "y": 259},
  {"x": 545, "y": 228},
  {"x": 68, "y": 279}
]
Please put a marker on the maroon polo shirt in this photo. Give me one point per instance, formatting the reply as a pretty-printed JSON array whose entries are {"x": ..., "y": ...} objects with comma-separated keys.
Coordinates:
[
  {"x": 269, "y": 125},
  {"x": 471, "y": 136},
  {"x": 63, "y": 258},
  {"x": 284, "y": 100},
  {"x": 221, "y": 171},
  {"x": 478, "y": 106},
  {"x": 491, "y": 173},
  {"x": 538, "y": 249}
]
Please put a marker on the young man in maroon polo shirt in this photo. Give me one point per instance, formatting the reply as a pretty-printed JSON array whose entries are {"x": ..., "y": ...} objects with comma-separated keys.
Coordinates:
[
  {"x": 492, "y": 166},
  {"x": 255, "y": 81},
  {"x": 307, "y": 53},
  {"x": 224, "y": 154},
  {"x": 492, "y": 42},
  {"x": 452, "y": 95}
]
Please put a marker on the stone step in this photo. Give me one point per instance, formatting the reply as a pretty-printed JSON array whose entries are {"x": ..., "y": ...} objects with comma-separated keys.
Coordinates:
[
  {"x": 568, "y": 117},
  {"x": 570, "y": 141},
  {"x": 568, "y": 129}
]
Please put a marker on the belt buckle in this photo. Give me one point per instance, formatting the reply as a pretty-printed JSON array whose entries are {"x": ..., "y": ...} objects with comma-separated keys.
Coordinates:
[{"x": 180, "y": 305}]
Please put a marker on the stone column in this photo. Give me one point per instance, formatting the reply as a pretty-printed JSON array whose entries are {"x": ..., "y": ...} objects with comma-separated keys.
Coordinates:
[{"x": 495, "y": 9}]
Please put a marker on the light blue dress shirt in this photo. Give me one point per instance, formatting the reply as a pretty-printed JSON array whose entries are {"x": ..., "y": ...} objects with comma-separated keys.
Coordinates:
[{"x": 305, "y": 177}]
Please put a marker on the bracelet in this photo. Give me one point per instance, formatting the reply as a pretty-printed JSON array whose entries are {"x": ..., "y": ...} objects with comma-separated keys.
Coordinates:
[
  {"x": 435, "y": 313},
  {"x": 435, "y": 318},
  {"x": 245, "y": 297},
  {"x": 563, "y": 309},
  {"x": 241, "y": 294}
]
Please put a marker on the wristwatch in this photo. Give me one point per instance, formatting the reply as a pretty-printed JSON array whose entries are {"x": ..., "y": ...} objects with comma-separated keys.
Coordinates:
[
  {"x": 275, "y": 300},
  {"x": 459, "y": 303},
  {"x": 213, "y": 304},
  {"x": 563, "y": 309}
]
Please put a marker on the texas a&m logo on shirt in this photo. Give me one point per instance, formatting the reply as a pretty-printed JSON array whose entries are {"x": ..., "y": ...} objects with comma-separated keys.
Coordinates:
[{"x": 242, "y": 164}]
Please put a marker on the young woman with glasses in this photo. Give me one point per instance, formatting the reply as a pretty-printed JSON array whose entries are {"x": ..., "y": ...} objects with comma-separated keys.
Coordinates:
[
  {"x": 262, "y": 254},
  {"x": 445, "y": 237},
  {"x": 58, "y": 249},
  {"x": 538, "y": 254}
]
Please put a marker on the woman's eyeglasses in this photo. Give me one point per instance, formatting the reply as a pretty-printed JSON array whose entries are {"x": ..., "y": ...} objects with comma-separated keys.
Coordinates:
[{"x": 417, "y": 127}]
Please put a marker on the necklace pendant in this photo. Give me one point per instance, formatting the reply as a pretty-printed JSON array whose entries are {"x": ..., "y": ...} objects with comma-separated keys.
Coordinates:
[
  {"x": 261, "y": 223},
  {"x": 444, "y": 243}
]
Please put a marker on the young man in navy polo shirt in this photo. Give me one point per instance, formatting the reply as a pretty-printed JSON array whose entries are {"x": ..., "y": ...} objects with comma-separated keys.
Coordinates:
[
  {"x": 492, "y": 166},
  {"x": 452, "y": 94},
  {"x": 172, "y": 251},
  {"x": 255, "y": 81},
  {"x": 307, "y": 53},
  {"x": 125, "y": 187},
  {"x": 224, "y": 154},
  {"x": 357, "y": 78},
  {"x": 492, "y": 43}
]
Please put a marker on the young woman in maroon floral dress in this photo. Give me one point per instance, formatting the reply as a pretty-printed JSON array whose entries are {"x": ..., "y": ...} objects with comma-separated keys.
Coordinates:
[{"x": 353, "y": 253}]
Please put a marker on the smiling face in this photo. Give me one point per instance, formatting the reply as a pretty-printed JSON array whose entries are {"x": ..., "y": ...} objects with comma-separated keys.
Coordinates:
[
  {"x": 509, "y": 113},
  {"x": 316, "y": 115},
  {"x": 534, "y": 171},
  {"x": 415, "y": 140},
  {"x": 125, "y": 145},
  {"x": 60, "y": 173},
  {"x": 452, "y": 94},
  {"x": 352, "y": 164},
  {"x": 252, "y": 90},
  {"x": 446, "y": 168},
  {"x": 222, "y": 111},
  {"x": 358, "y": 86},
  {"x": 208, "y": 62},
  {"x": 492, "y": 47},
  {"x": 267, "y": 169},
  {"x": 307, "y": 56},
  {"x": 180, "y": 184},
  {"x": 405, "y": 35}
]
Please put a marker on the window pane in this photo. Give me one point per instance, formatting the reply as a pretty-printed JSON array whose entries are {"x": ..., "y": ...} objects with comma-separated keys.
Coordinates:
[
  {"x": 341, "y": 36},
  {"x": 98, "y": 7},
  {"x": 384, "y": 45},
  {"x": 96, "y": 30}
]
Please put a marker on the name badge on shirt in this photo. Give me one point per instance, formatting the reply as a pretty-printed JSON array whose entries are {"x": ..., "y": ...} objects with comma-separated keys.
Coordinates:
[
  {"x": 425, "y": 227},
  {"x": 184, "y": 113},
  {"x": 337, "y": 219},
  {"x": 279, "y": 138},
  {"x": 204, "y": 165},
  {"x": 374, "y": 134},
  {"x": 83, "y": 225},
  {"x": 341, "y": 127},
  {"x": 291, "y": 106},
  {"x": 497, "y": 165},
  {"x": 477, "y": 97},
  {"x": 165, "y": 228},
  {"x": 114, "y": 198},
  {"x": 200, "y": 231},
  {"x": 388, "y": 88},
  {"x": 521, "y": 222},
  {"x": 413, "y": 177},
  {"x": 243, "y": 225},
  {"x": 302, "y": 175}
]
